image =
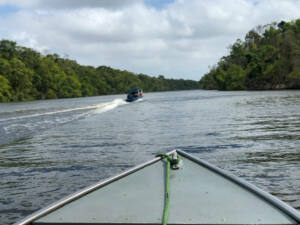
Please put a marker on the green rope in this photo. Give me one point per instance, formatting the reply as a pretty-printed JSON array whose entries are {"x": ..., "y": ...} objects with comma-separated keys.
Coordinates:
[{"x": 170, "y": 162}]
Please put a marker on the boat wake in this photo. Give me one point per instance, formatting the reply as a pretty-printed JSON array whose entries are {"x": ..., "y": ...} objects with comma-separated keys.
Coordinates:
[
  {"x": 140, "y": 100},
  {"x": 104, "y": 107},
  {"x": 14, "y": 126}
]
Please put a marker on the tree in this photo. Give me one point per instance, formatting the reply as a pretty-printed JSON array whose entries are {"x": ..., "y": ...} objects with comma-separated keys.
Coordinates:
[
  {"x": 268, "y": 58},
  {"x": 5, "y": 89},
  {"x": 68, "y": 87},
  {"x": 27, "y": 74},
  {"x": 7, "y": 49},
  {"x": 20, "y": 80}
]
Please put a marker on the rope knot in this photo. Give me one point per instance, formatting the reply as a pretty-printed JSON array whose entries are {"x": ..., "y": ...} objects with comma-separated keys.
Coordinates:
[{"x": 174, "y": 159}]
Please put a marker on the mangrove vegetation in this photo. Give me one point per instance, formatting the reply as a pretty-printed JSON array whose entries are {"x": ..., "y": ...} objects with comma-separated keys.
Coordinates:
[
  {"x": 268, "y": 58},
  {"x": 26, "y": 74}
]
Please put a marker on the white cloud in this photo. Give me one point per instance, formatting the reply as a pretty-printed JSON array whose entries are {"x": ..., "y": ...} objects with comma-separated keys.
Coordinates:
[
  {"x": 70, "y": 4},
  {"x": 179, "y": 40}
]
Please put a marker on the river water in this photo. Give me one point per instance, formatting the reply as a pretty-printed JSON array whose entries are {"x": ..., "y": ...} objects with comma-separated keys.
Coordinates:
[{"x": 49, "y": 149}]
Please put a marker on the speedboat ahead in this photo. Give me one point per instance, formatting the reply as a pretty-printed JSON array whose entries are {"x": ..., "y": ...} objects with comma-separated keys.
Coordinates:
[{"x": 134, "y": 94}]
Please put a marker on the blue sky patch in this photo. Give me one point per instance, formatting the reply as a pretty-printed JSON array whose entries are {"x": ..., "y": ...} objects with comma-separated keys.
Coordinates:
[
  {"x": 8, "y": 9},
  {"x": 159, "y": 4}
]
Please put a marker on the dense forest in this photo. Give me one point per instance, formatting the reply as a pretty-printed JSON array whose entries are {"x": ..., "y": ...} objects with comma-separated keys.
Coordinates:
[
  {"x": 26, "y": 74},
  {"x": 268, "y": 58}
]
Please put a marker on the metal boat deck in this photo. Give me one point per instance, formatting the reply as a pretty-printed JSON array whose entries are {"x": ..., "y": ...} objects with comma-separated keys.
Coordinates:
[{"x": 200, "y": 194}]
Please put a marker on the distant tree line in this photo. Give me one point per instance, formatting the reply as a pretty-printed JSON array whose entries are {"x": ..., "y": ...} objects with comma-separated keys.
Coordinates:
[
  {"x": 26, "y": 74},
  {"x": 268, "y": 58}
]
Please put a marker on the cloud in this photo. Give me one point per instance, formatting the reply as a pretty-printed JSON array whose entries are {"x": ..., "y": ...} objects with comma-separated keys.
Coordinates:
[
  {"x": 178, "y": 39},
  {"x": 70, "y": 4},
  {"x": 73, "y": 4}
]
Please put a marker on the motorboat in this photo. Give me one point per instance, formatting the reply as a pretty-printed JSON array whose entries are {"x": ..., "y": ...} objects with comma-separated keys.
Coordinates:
[{"x": 134, "y": 94}]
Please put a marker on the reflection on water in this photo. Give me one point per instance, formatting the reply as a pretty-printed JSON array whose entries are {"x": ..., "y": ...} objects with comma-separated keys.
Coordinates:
[{"x": 49, "y": 149}]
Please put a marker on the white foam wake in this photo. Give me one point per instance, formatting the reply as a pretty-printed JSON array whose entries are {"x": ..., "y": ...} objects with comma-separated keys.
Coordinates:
[
  {"x": 109, "y": 105},
  {"x": 103, "y": 107}
]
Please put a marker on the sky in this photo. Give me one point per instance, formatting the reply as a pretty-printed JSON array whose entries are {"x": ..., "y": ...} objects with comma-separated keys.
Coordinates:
[{"x": 174, "y": 38}]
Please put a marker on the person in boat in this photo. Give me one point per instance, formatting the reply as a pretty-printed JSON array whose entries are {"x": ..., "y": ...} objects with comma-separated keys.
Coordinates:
[{"x": 134, "y": 93}]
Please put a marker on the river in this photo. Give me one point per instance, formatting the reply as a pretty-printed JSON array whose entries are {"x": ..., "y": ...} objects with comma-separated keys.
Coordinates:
[{"x": 51, "y": 148}]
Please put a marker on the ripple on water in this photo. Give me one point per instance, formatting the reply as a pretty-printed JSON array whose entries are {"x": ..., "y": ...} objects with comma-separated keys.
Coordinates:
[{"x": 254, "y": 135}]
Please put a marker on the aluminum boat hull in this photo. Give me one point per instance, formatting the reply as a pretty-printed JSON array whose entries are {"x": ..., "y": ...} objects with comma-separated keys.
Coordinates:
[{"x": 200, "y": 193}]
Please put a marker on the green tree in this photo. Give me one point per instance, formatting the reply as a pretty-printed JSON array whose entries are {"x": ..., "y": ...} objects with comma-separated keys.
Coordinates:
[
  {"x": 8, "y": 49},
  {"x": 5, "y": 89},
  {"x": 27, "y": 74},
  {"x": 268, "y": 58},
  {"x": 68, "y": 87},
  {"x": 20, "y": 80}
]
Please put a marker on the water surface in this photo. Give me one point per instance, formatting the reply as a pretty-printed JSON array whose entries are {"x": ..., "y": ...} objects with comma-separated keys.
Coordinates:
[{"x": 49, "y": 149}]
